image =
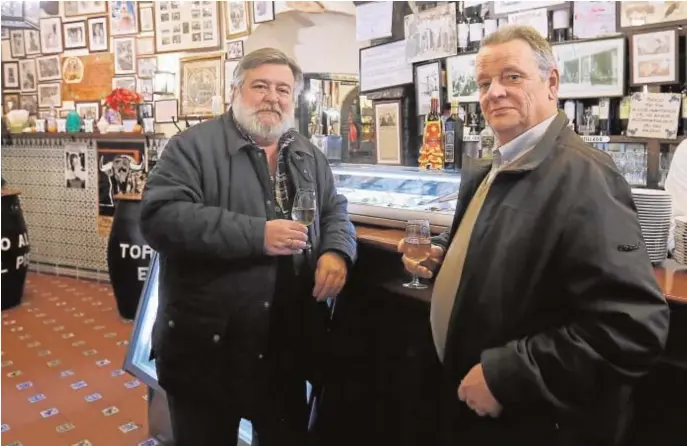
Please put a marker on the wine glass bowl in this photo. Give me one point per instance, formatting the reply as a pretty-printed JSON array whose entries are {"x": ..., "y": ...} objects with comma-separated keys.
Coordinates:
[
  {"x": 304, "y": 208},
  {"x": 417, "y": 247}
]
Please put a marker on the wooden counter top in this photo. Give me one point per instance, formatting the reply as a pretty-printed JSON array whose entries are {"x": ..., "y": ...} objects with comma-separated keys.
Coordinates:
[
  {"x": 129, "y": 197},
  {"x": 7, "y": 192},
  {"x": 671, "y": 276}
]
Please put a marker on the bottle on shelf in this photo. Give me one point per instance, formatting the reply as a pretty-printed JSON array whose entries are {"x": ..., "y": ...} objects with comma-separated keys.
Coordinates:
[
  {"x": 432, "y": 153},
  {"x": 624, "y": 109},
  {"x": 476, "y": 28},
  {"x": 684, "y": 110},
  {"x": 486, "y": 144},
  {"x": 463, "y": 29},
  {"x": 569, "y": 109},
  {"x": 450, "y": 138},
  {"x": 561, "y": 25},
  {"x": 604, "y": 108},
  {"x": 490, "y": 23}
]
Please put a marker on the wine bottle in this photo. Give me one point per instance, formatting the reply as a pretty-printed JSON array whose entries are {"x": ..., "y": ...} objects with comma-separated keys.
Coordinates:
[
  {"x": 463, "y": 30},
  {"x": 450, "y": 139},
  {"x": 490, "y": 23},
  {"x": 624, "y": 109},
  {"x": 684, "y": 110},
  {"x": 476, "y": 29},
  {"x": 431, "y": 153},
  {"x": 604, "y": 116},
  {"x": 569, "y": 109},
  {"x": 561, "y": 25}
]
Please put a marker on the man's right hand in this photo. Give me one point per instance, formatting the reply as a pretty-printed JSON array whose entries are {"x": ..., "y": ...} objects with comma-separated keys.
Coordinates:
[
  {"x": 424, "y": 269},
  {"x": 284, "y": 237}
]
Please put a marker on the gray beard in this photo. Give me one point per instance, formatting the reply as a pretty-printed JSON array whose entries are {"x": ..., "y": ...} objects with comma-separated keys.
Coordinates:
[{"x": 247, "y": 118}]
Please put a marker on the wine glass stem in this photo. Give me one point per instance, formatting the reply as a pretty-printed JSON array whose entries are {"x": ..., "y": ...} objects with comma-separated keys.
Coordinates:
[{"x": 416, "y": 280}]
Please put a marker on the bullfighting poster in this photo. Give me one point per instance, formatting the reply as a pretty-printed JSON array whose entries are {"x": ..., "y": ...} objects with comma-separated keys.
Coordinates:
[{"x": 120, "y": 171}]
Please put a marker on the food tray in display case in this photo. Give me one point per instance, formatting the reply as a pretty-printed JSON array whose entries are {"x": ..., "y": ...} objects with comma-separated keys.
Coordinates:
[{"x": 391, "y": 195}]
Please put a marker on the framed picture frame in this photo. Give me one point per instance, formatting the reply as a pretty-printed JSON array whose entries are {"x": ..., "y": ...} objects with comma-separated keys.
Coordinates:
[
  {"x": 32, "y": 42},
  {"x": 75, "y": 35},
  {"x": 198, "y": 90},
  {"x": 27, "y": 76},
  {"x": 388, "y": 131},
  {"x": 29, "y": 102},
  {"x": 10, "y": 101},
  {"x": 460, "y": 78},
  {"x": 10, "y": 75},
  {"x": 124, "y": 19},
  {"x": 50, "y": 95},
  {"x": 145, "y": 88},
  {"x": 98, "y": 35},
  {"x": 77, "y": 9},
  {"x": 187, "y": 26},
  {"x": 263, "y": 12},
  {"x": 166, "y": 111},
  {"x": 88, "y": 109},
  {"x": 145, "y": 46},
  {"x": 235, "y": 50},
  {"x": 636, "y": 16},
  {"x": 592, "y": 68},
  {"x": 17, "y": 47},
  {"x": 518, "y": 6},
  {"x": 145, "y": 67},
  {"x": 146, "y": 17},
  {"x": 237, "y": 19},
  {"x": 427, "y": 81},
  {"x": 124, "y": 55},
  {"x": 49, "y": 68},
  {"x": 442, "y": 20},
  {"x": 145, "y": 110},
  {"x": 384, "y": 66},
  {"x": 51, "y": 35},
  {"x": 653, "y": 57},
  {"x": 126, "y": 82}
]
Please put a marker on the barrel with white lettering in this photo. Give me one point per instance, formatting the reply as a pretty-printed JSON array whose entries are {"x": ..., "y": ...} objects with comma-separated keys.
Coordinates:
[
  {"x": 127, "y": 255},
  {"x": 15, "y": 250}
]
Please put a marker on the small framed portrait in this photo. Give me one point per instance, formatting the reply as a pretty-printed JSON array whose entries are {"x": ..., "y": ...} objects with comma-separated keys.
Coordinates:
[
  {"x": 50, "y": 95},
  {"x": 10, "y": 101},
  {"x": 88, "y": 109},
  {"x": 146, "y": 18},
  {"x": 51, "y": 35},
  {"x": 145, "y": 46},
  {"x": 237, "y": 17},
  {"x": 98, "y": 37},
  {"x": 235, "y": 50},
  {"x": 125, "y": 55},
  {"x": 145, "y": 110},
  {"x": 29, "y": 102},
  {"x": 27, "y": 75},
  {"x": 49, "y": 68},
  {"x": 123, "y": 18},
  {"x": 10, "y": 75},
  {"x": 17, "y": 48},
  {"x": 32, "y": 42},
  {"x": 166, "y": 111},
  {"x": 76, "y": 9},
  {"x": 654, "y": 57},
  {"x": 75, "y": 35},
  {"x": 263, "y": 12},
  {"x": 146, "y": 67},
  {"x": 126, "y": 82}
]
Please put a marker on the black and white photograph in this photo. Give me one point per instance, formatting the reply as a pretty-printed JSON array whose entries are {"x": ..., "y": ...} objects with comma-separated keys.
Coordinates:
[
  {"x": 120, "y": 171},
  {"x": 431, "y": 34},
  {"x": 653, "y": 57},
  {"x": 187, "y": 26},
  {"x": 29, "y": 102},
  {"x": 146, "y": 67},
  {"x": 49, "y": 68},
  {"x": 88, "y": 109},
  {"x": 263, "y": 12},
  {"x": 10, "y": 101},
  {"x": 75, "y": 174},
  {"x": 146, "y": 18},
  {"x": 17, "y": 48},
  {"x": 126, "y": 82},
  {"x": 388, "y": 132},
  {"x": 460, "y": 78},
  {"x": 237, "y": 17},
  {"x": 145, "y": 110},
  {"x": 235, "y": 50},
  {"x": 145, "y": 88},
  {"x": 145, "y": 46},
  {"x": 10, "y": 75},
  {"x": 98, "y": 38},
  {"x": 32, "y": 42},
  {"x": 50, "y": 95},
  {"x": 27, "y": 75},
  {"x": 125, "y": 55},
  {"x": 75, "y": 35},
  {"x": 51, "y": 35},
  {"x": 591, "y": 69},
  {"x": 427, "y": 81},
  {"x": 75, "y": 9}
]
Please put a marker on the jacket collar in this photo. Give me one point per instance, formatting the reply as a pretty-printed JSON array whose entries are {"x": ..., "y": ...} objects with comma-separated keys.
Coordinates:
[
  {"x": 533, "y": 158},
  {"x": 236, "y": 140}
]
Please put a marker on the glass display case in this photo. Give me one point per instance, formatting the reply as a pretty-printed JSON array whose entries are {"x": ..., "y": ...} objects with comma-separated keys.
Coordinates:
[{"x": 391, "y": 195}]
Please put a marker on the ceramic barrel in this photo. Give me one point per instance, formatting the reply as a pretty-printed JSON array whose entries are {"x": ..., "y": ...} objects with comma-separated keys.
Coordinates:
[{"x": 15, "y": 251}]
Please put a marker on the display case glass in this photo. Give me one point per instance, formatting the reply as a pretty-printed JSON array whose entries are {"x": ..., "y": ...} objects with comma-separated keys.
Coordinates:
[{"x": 391, "y": 195}]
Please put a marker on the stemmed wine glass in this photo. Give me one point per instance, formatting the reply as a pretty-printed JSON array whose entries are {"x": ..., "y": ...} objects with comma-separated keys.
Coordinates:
[
  {"x": 303, "y": 210},
  {"x": 418, "y": 246}
]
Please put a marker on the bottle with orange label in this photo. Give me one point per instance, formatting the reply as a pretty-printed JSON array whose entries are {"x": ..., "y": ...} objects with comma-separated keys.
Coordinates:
[{"x": 432, "y": 151}]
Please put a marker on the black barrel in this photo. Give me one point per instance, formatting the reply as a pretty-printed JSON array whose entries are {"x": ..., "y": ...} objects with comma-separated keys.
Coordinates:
[
  {"x": 15, "y": 250},
  {"x": 127, "y": 255}
]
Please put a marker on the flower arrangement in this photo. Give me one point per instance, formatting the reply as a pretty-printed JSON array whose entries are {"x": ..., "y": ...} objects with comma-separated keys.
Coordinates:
[{"x": 123, "y": 100}]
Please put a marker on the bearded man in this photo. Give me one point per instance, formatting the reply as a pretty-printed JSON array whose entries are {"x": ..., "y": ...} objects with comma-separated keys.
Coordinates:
[{"x": 242, "y": 300}]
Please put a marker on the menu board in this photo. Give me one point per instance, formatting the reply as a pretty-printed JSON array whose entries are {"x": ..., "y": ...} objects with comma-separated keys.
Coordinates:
[
  {"x": 654, "y": 115},
  {"x": 186, "y": 26}
]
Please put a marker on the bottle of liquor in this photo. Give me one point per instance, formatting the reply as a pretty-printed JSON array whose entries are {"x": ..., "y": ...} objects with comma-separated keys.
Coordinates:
[
  {"x": 450, "y": 138},
  {"x": 486, "y": 143},
  {"x": 624, "y": 109},
  {"x": 605, "y": 116},
  {"x": 490, "y": 23},
  {"x": 594, "y": 121},
  {"x": 569, "y": 108},
  {"x": 432, "y": 153},
  {"x": 684, "y": 110},
  {"x": 476, "y": 29},
  {"x": 561, "y": 25},
  {"x": 463, "y": 30}
]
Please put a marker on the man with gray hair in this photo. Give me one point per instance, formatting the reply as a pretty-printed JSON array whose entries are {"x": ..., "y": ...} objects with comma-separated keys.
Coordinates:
[
  {"x": 545, "y": 310},
  {"x": 242, "y": 298}
]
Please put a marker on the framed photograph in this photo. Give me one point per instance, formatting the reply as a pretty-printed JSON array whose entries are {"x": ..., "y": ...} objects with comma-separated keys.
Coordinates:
[
  {"x": 88, "y": 109},
  {"x": 517, "y": 6},
  {"x": 75, "y": 35},
  {"x": 32, "y": 42},
  {"x": 10, "y": 75},
  {"x": 75, "y": 168},
  {"x": 145, "y": 110},
  {"x": 652, "y": 14},
  {"x": 384, "y": 66},
  {"x": 17, "y": 48},
  {"x": 591, "y": 69},
  {"x": 49, "y": 68},
  {"x": 442, "y": 21},
  {"x": 229, "y": 68},
  {"x": 201, "y": 80},
  {"x": 98, "y": 36},
  {"x": 187, "y": 26},
  {"x": 146, "y": 18},
  {"x": 427, "y": 81},
  {"x": 146, "y": 67},
  {"x": 29, "y": 102},
  {"x": 235, "y": 50},
  {"x": 166, "y": 111},
  {"x": 388, "y": 131},
  {"x": 125, "y": 55},
  {"x": 10, "y": 101},
  {"x": 75, "y": 9},
  {"x": 653, "y": 57},
  {"x": 126, "y": 82},
  {"x": 27, "y": 75},
  {"x": 145, "y": 88},
  {"x": 123, "y": 18},
  {"x": 237, "y": 18},
  {"x": 460, "y": 78},
  {"x": 51, "y": 35},
  {"x": 145, "y": 46},
  {"x": 263, "y": 12},
  {"x": 50, "y": 95}
]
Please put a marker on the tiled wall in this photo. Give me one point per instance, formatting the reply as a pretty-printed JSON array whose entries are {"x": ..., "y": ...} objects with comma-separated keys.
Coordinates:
[{"x": 62, "y": 222}]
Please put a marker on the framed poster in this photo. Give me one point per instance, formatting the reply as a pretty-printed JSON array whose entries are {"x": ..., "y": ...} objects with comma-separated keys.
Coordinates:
[
  {"x": 32, "y": 42},
  {"x": 653, "y": 57},
  {"x": 10, "y": 75},
  {"x": 384, "y": 66},
  {"x": 146, "y": 67},
  {"x": 10, "y": 101},
  {"x": 237, "y": 17},
  {"x": 388, "y": 131},
  {"x": 123, "y": 18},
  {"x": 27, "y": 75},
  {"x": 440, "y": 21},
  {"x": 263, "y": 12},
  {"x": 652, "y": 14},
  {"x": 98, "y": 35},
  {"x": 49, "y": 68},
  {"x": 29, "y": 102},
  {"x": 125, "y": 55},
  {"x": 126, "y": 82},
  {"x": 427, "y": 81},
  {"x": 460, "y": 78},
  {"x": 201, "y": 80},
  {"x": 51, "y": 35},
  {"x": 50, "y": 95},
  {"x": 186, "y": 26},
  {"x": 17, "y": 48},
  {"x": 75, "y": 9},
  {"x": 166, "y": 111}
]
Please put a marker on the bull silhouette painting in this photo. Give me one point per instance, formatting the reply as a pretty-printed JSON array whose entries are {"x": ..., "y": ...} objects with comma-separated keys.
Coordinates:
[{"x": 119, "y": 173}]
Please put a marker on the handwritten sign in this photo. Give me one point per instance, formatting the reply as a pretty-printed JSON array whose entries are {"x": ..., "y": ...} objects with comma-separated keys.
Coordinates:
[{"x": 654, "y": 115}]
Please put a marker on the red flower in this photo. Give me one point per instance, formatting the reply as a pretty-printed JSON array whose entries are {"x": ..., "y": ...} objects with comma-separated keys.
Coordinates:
[{"x": 123, "y": 100}]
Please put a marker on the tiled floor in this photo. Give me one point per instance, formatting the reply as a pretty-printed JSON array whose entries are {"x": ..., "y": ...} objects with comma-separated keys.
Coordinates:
[{"x": 62, "y": 382}]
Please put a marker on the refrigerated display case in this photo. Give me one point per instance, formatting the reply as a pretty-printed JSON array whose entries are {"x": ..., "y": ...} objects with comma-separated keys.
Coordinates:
[{"x": 391, "y": 195}]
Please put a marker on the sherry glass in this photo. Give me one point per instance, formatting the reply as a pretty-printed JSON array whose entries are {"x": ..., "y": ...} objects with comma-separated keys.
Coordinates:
[
  {"x": 418, "y": 246},
  {"x": 304, "y": 208}
]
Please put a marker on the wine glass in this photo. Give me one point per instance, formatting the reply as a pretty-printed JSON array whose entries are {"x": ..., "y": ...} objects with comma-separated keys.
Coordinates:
[
  {"x": 303, "y": 210},
  {"x": 418, "y": 246}
]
